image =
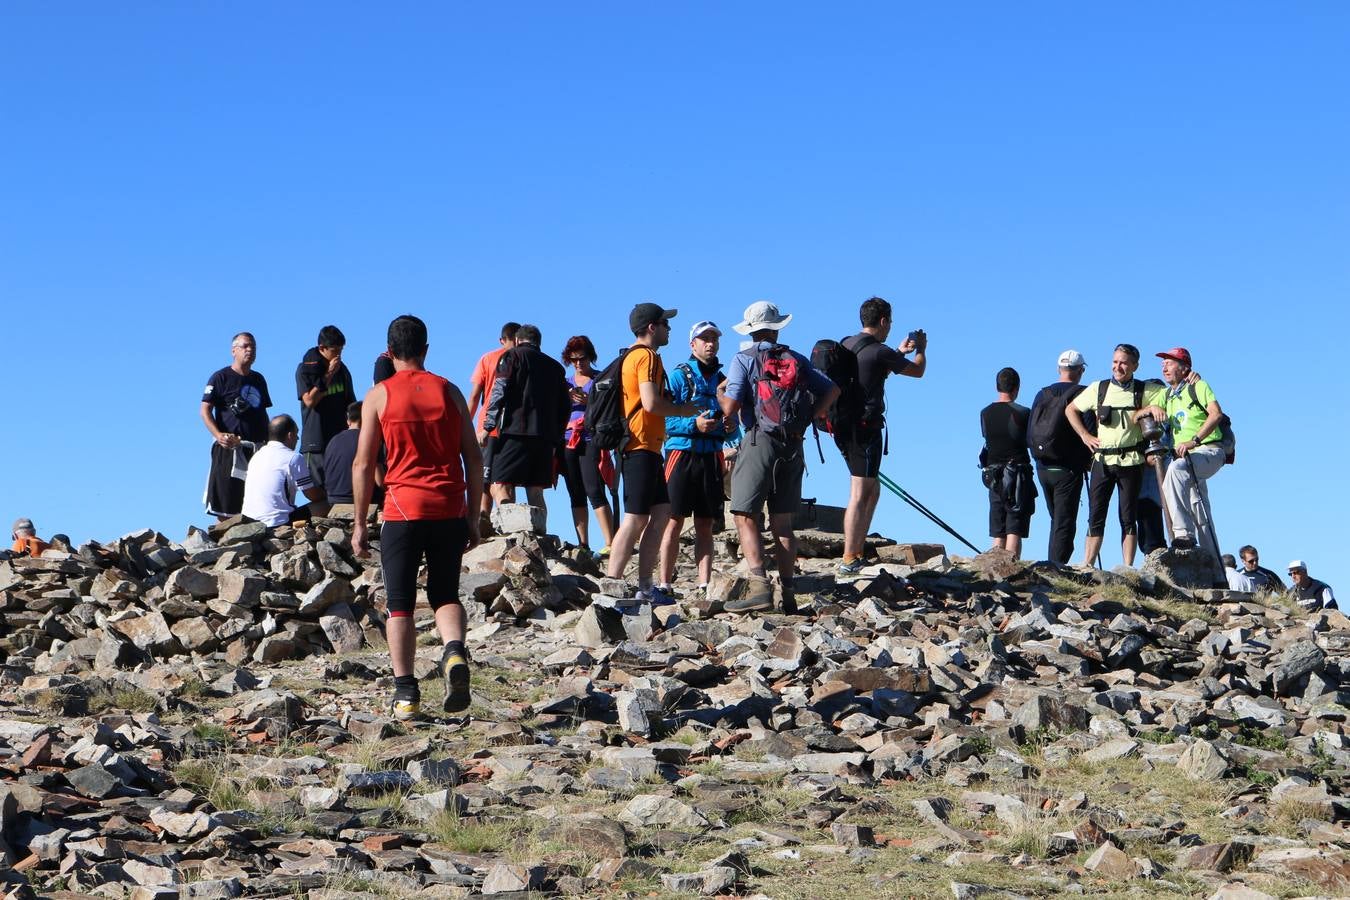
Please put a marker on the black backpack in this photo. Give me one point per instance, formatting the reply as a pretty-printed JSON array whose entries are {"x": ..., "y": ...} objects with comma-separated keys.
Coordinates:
[
  {"x": 606, "y": 417},
  {"x": 840, "y": 364},
  {"x": 1051, "y": 438}
]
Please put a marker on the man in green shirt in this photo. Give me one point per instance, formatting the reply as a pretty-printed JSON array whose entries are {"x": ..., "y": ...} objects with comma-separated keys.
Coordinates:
[
  {"x": 1196, "y": 422},
  {"x": 1117, "y": 448}
]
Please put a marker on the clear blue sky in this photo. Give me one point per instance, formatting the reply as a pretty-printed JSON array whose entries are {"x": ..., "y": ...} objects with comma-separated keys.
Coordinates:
[{"x": 1015, "y": 178}]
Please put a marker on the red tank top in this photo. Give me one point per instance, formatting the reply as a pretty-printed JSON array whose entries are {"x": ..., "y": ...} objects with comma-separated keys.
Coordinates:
[{"x": 421, "y": 429}]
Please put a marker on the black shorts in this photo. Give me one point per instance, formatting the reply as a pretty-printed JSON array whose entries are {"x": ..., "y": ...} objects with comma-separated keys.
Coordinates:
[
  {"x": 1012, "y": 502},
  {"x": 403, "y": 546},
  {"x": 861, "y": 449},
  {"x": 489, "y": 446},
  {"x": 644, "y": 482},
  {"x": 523, "y": 461},
  {"x": 1125, "y": 481},
  {"x": 694, "y": 483},
  {"x": 224, "y": 492}
]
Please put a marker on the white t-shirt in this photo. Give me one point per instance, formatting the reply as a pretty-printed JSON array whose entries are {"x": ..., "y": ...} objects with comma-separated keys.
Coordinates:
[{"x": 275, "y": 473}]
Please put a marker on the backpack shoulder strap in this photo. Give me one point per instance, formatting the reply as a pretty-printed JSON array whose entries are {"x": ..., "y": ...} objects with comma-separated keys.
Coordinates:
[
  {"x": 863, "y": 340},
  {"x": 691, "y": 390},
  {"x": 1195, "y": 398},
  {"x": 1101, "y": 392},
  {"x": 1138, "y": 394}
]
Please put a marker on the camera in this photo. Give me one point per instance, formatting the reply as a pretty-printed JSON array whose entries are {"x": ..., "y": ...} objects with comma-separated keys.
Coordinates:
[
  {"x": 1104, "y": 415},
  {"x": 239, "y": 405}
]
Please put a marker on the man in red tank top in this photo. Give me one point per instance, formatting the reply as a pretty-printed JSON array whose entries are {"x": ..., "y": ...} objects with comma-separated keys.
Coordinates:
[{"x": 433, "y": 478}]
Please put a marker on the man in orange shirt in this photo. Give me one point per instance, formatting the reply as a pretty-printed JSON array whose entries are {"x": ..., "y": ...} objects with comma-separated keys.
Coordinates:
[
  {"x": 646, "y": 504},
  {"x": 480, "y": 391},
  {"x": 26, "y": 541}
]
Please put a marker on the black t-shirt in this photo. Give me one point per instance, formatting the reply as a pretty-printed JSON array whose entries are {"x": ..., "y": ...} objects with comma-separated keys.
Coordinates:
[
  {"x": 239, "y": 403},
  {"x": 876, "y": 361},
  {"x": 338, "y": 457},
  {"x": 1004, "y": 426},
  {"x": 327, "y": 418}
]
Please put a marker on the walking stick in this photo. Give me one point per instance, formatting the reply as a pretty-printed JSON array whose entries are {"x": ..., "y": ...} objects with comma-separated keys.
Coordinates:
[{"x": 923, "y": 510}]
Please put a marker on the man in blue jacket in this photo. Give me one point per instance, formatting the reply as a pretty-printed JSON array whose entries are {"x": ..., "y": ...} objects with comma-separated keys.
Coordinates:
[{"x": 694, "y": 460}]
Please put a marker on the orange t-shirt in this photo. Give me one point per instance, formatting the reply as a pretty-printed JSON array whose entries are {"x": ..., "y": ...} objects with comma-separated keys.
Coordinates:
[
  {"x": 30, "y": 545},
  {"x": 485, "y": 373},
  {"x": 648, "y": 431}
]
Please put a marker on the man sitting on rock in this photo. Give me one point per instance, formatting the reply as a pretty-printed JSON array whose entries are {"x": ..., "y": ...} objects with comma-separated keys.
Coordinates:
[
  {"x": 26, "y": 541},
  {"x": 1237, "y": 579},
  {"x": 275, "y": 474},
  {"x": 433, "y": 484},
  {"x": 1197, "y": 432},
  {"x": 1309, "y": 593}
]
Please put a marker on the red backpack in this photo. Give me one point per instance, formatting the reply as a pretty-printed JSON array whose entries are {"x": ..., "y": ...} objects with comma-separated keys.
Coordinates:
[{"x": 784, "y": 405}]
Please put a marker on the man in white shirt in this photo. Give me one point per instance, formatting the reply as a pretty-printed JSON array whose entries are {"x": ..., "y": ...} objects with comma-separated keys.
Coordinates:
[{"x": 275, "y": 474}]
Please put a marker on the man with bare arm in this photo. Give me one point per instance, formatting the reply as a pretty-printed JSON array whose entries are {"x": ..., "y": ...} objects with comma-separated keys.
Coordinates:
[{"x": 433, "y": 484}]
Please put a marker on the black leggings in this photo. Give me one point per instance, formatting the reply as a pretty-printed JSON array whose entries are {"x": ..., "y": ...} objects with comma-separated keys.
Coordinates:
[
  {"x": 403, "y": 545},
  {"x": 581, "y": 473},
  {"x": 1127, "y": 479}
]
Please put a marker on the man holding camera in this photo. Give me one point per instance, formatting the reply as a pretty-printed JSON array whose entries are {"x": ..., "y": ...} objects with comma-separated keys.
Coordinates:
[
  {"x": 1117, "y": 448},
  {"x": 1196, "y": 421},
  {"x": 234, "y": 411}
]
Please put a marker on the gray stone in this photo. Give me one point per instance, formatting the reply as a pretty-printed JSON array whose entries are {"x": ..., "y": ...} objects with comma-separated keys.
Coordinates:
[
  {"x": 325, "y": 594},
  {"x": 519, "y": 518},
  {"x": 1202, "y": 761},
  {"x": 340, "y": 627},
  {"x": 647, "y": 810}
]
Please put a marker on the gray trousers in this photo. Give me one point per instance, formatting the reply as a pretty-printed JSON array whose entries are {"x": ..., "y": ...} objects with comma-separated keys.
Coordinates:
[{"x": 1187, "y": 497}]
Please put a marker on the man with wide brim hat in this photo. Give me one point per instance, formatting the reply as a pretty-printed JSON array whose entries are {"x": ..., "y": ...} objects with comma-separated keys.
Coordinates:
[{"x": 770, "y": 463}]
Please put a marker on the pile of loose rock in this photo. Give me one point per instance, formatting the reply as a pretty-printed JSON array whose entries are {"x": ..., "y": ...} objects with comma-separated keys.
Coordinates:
[{"x": 206, "y": 719}]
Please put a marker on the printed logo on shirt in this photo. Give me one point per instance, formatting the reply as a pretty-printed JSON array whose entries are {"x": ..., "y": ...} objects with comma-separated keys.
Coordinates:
[{"x": 251, "y": 395}]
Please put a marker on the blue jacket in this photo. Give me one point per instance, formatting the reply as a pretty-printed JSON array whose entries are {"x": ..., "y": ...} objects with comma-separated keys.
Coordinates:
[{"x": 688, "y": 384}]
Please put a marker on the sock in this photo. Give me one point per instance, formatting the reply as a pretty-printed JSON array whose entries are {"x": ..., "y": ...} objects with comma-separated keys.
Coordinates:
[
  {"x": 406, "y": 681},
  {"x": 455, "y": 646}
]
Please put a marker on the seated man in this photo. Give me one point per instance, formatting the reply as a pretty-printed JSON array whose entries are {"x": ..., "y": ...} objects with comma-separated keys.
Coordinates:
[
  {"x": 1309, "y": 593},
  {"x": 1237, "y": 580},
  {"x": 275, "y": 473},
  {"x": 26, "y": 541},
  {"x": 1262, "y": 578},
  {"x": 339, "y": 456}
]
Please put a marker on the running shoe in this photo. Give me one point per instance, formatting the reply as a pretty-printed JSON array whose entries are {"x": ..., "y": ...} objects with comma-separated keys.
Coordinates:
[
  {"x": 656, "y": 596},
  {"x": 407, "y": 704},
  {"x": 455, "y": 671},
  {"x": 849, "y": 569}
]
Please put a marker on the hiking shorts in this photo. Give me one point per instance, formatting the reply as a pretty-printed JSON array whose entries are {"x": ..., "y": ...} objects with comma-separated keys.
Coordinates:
[
  {"x": 523, "y": 461},
  {"x": 694, "y": 482},
  {"x": 644, "y": 482},
  {"x": 768, "y": 470},
  {"x": 403, "y": 546},
  {"x": 1012, "y": 502},
  {"x": 861, "y": 448}
]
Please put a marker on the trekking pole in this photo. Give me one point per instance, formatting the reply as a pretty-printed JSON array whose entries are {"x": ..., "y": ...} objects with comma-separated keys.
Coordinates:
[{"x": 923, "y": 510}]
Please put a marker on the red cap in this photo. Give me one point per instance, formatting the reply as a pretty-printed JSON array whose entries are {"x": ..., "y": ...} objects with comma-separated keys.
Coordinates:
[{"x": 1180, "y": 354}]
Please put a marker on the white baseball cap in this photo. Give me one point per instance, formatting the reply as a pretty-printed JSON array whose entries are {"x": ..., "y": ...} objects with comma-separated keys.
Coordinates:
[
  {"x": 1072, "y": 359},
  {"x": 704, "y": 327},
  {"x": 1298, "y": 564}
]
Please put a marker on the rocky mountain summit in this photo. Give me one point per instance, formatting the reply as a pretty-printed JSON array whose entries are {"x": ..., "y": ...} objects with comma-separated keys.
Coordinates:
[{"x": 206, "y": 718}]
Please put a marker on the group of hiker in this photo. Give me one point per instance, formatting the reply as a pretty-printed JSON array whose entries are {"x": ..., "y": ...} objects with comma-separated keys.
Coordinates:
[
  {"x": 1153, "y": 443},
  {"x": 680, "y": 441}
]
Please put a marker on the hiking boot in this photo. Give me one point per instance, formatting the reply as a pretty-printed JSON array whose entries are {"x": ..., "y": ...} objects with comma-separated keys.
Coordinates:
[
  {"x": 656, "y": 596},
  {"x": 407, "y": 703},
  {"x": 757, "y": 599},
  {"x": 849, "y": 569},
  {"x": 789, "y": 605},
  {"x": 1182, "y": 542},
  {"x": 455, "y": 671},
  {"x": 603, "y": 552}
]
